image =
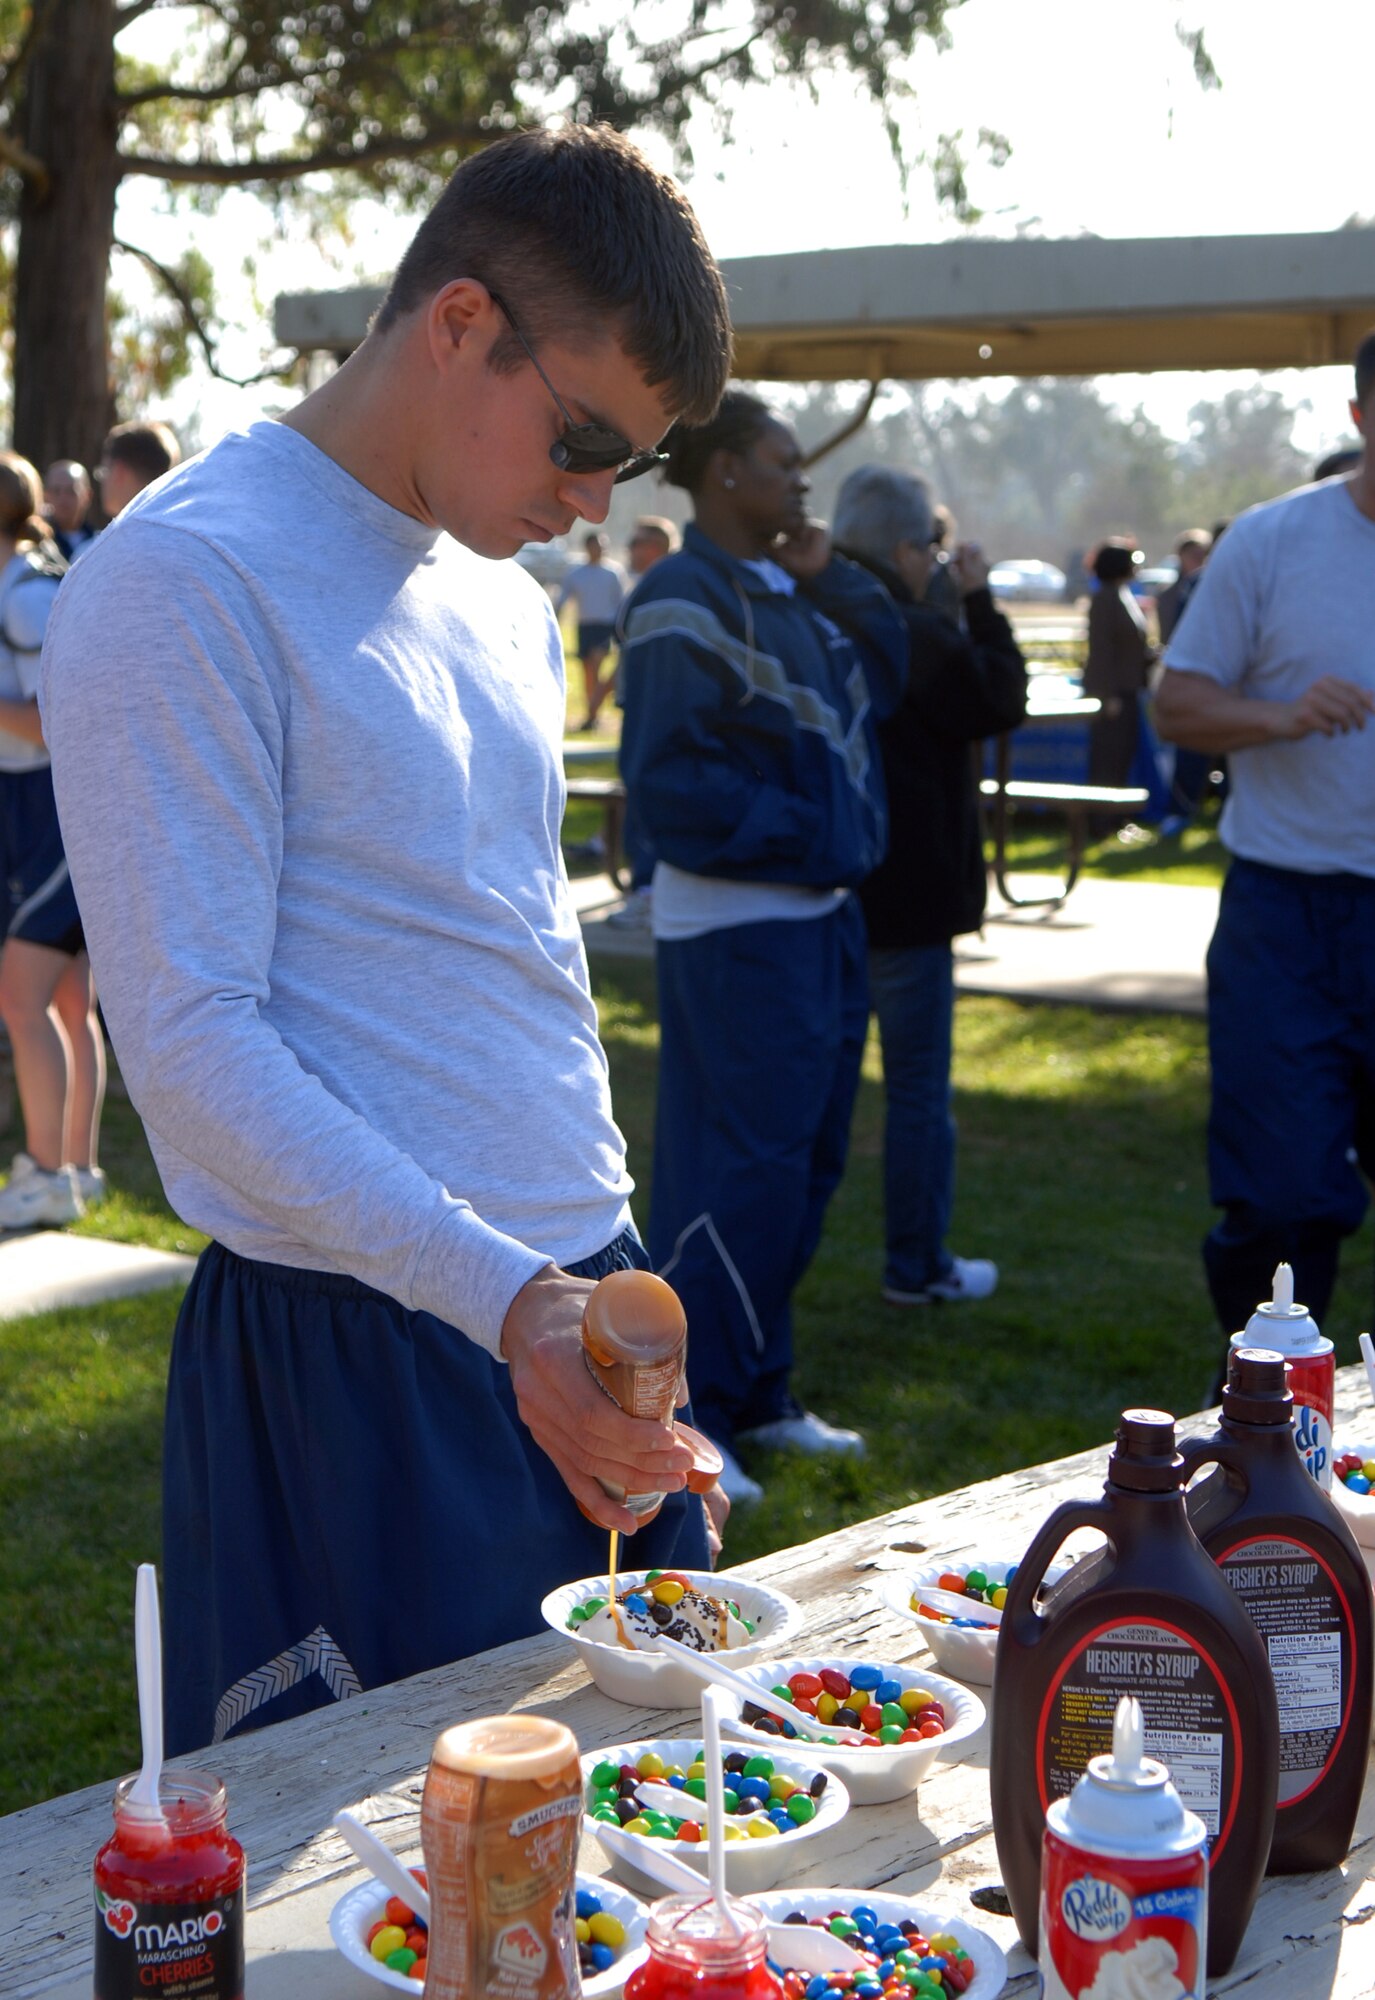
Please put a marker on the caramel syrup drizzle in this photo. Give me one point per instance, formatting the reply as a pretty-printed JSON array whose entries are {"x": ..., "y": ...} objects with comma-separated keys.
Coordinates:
[{"x": 622, "y": 1635}]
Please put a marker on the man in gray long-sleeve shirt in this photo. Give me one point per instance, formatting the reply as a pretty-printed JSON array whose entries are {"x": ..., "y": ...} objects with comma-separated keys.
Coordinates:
[{"x": 306, "y": 742}]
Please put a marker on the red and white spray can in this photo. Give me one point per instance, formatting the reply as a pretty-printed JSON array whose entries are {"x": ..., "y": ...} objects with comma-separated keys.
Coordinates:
[
  {"x": 1286, "y": 1328},
  {"x": 1124, "y": 1881}
]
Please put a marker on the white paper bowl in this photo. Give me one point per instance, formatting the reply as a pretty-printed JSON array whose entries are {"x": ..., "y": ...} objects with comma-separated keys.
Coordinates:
[
  {"x": 653, "y": 1680},
  {"x": 963, "y": 1651},
  {"x": 1356, "y": 1509},
  {"x": 359, "y": 1908},
  {"x": 750, "y": 1864},
  {"x": 990, "y": 1963},
  {"x": 872, "y": 1776}
]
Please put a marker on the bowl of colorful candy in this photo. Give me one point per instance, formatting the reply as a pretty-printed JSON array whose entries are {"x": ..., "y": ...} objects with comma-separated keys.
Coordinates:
[
  {"x": 916, "y": 1954},
  {"x": 367, "y": 1921},
  {"x": 776, "y": 1807},
  {"x": 747, "y": 1621},
  {"x": 911, "y": 1718},
  {"x": 962, "y": 1644},
  {"x": 1353, "y": 1489}
]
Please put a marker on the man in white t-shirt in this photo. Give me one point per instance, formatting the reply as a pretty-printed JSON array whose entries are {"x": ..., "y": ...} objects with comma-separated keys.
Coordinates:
[
  {"x": 597, "y": 587},
  {"x": 306, "y": 730},
  {"x": 1275, "y": 668}
]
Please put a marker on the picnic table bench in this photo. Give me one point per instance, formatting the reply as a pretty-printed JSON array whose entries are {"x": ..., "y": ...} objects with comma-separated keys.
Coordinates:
[{"x": 1310, "y": 1934}]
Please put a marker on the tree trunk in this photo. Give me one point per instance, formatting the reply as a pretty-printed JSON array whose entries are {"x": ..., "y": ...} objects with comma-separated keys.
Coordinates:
[{"x": 61, "y": 365}]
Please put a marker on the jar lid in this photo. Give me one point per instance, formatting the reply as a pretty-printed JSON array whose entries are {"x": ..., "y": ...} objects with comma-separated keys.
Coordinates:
[{"x": 508, "y": 1746}]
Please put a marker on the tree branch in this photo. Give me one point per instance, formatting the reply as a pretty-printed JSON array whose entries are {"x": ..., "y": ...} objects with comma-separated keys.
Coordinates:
[
  {"x": 196, "y": 325},
  {"x": 234, "y": 84},
  {"x": 855, "y": 422},
  {"x": 25, "y": 163},
  {"x": 287, "y": 167}
]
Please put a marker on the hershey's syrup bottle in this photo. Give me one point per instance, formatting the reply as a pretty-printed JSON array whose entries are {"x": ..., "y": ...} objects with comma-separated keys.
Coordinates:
[
  {"x": 1149, "y": 1616},
  {"x": 1290, "y": 1557}
]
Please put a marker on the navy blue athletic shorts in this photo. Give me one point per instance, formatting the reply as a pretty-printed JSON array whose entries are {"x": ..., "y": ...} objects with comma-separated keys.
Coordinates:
[
  {"x": 350, "y": 1496},
  {"x": 594, "y": 637},
  {"x": 40, "y": 903}
]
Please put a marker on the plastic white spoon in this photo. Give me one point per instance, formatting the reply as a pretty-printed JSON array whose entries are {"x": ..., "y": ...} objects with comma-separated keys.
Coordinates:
[
  {"x": 145, "y": 1796},
  {"x": 1368, "y": 1356},
  {"x": 956, "y": 1605},
  {"x": 716, "y": 1807},
  {"x": 668, "y": 1799},
  {"x": 390, "y": 1872},
  {"x": 799, "y": 1945},
  {"x": 708, "y": 1668}
]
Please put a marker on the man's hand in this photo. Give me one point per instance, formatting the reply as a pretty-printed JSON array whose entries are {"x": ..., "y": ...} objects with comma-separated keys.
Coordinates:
[
  {"x": 970, "y": 567},
  {"x": 1329, "y": 707},
  {"x": 573, "y": 1420},
  {"x": 806, "y": 553}
]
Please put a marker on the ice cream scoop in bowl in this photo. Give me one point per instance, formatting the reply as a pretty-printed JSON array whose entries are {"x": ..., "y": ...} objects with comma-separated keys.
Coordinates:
[{"x": 746, "y": 1621}]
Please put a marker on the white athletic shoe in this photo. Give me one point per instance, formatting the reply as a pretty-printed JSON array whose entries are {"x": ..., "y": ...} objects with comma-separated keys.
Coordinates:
[
  {"x": 38, "y": 1200},
  {"x": 636, "y": 912},
  {"x": 91, "y": 1185},
  {"x": 809, "y": 1434},
  {"x": 736, "y": 1484},
  {"x": 967, "y": 1278}
]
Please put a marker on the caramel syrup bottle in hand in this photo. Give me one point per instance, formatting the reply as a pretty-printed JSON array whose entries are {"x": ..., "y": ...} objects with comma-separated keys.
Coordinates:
[{"x": 634, "y": 1340}]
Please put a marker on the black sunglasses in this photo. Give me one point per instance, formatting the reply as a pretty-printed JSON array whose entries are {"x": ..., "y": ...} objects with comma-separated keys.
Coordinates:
[{"x": 585, "y": 447}]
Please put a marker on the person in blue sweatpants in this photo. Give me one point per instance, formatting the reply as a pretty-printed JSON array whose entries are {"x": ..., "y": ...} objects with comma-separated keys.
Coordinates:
[
  {"x": 1291, "y": 992},
  {"x": 766, "y": 1026},
  {"x": 316, "y": 831},
  {"x": 756, "y": 665}
]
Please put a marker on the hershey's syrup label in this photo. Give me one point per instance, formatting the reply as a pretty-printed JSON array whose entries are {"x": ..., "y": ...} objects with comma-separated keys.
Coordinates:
[
  {"x": 179, "y": 1951},
  {"x": 1305, "y": 1621},
  {"x": 1191, "y": 1720}
]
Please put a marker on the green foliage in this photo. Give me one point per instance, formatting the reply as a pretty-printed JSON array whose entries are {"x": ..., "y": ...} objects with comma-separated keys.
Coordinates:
[{"x": 1051, "y": 466}]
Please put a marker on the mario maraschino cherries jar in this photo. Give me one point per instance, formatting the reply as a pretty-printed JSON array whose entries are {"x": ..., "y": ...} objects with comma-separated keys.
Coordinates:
[{"x": 169, "y": 1900}]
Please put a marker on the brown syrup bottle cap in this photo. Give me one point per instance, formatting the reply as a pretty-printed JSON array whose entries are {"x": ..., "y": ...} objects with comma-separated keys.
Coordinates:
[
  {"x": 1144, "y": 1458},
  {"x": 1257, "y": 1389}
]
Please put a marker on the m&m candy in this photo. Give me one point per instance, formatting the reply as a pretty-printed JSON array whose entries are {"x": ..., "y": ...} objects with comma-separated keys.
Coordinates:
[
  {"x": 1356, "y": 1470},
  {"x": 874, "y": 1700},
  {"x": 903, "y": 1962},
  {"x": 761, "y": 1802}
]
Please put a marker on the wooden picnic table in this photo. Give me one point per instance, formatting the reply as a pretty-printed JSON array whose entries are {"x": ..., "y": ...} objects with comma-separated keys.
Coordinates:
[
  {"x": 1078, "y": 805},
  {"x": 1311, "y": 1934}
]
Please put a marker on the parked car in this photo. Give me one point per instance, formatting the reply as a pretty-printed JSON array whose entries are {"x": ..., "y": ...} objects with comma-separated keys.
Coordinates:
[
  {"x": 1150, "y": 582},
  {"x": 547, "y": 562},
  {"x": 1024, "y": 580}
]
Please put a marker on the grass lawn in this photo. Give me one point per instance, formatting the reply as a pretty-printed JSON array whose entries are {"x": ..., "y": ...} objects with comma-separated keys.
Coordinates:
[{"x": 1081, "y": 1163}]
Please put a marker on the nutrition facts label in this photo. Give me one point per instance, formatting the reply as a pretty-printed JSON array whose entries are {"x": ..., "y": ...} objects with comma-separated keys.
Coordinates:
[
  {"x": 1194, "y": 1758},
  {"x": 1295, "y": 1607}
]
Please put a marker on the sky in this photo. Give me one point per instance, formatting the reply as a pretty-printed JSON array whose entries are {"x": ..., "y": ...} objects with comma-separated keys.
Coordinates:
[{"x": 1110, "y": 133}]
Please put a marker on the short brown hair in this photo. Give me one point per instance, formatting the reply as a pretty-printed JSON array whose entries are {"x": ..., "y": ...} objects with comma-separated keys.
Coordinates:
[
  {"x": 147, "y": 449},
  {"x": 654, "y": 527},
  {"x": 582, "y": 236},
  {"x": 21, "y": 500}
]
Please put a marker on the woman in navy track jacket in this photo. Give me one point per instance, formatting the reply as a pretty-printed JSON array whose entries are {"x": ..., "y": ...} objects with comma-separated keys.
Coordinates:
[{"x": 756, "y": 667}]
